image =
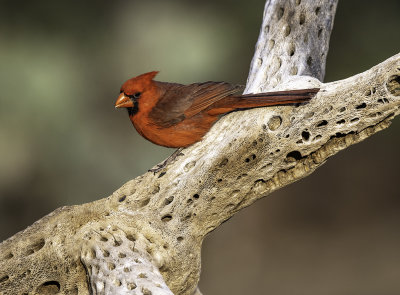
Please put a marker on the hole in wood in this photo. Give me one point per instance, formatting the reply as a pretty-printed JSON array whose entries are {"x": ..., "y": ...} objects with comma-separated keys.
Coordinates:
[
  {"x": 361, "y": 106},
  {"x": 166, "y": 218},
  {"x": 302, "y": 18},
  {"x": 281, "y": 11},
  {"x": 341, "y": 122},
  {"x": 4, "y": 279},
  {"x": 393, "y": 85},
  {"x": 36, "y": 246},
  {"x": 49, "y": 287},
  {"x": 305, "y": 135},
  {"x": 274, "y": 123},
  {"x": 169, "y": 200},
  {"x": 293, "y": 156}
]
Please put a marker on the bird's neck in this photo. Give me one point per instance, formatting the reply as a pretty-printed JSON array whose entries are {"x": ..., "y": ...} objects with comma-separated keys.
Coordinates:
[{"x": 133, "y": 110}]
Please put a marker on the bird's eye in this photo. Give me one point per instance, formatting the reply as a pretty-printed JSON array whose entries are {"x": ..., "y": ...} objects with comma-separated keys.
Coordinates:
[{"x": 136, "y": 95}]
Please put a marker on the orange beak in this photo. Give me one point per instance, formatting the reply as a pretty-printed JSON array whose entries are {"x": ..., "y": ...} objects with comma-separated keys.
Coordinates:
[{"x": 123, "y": 101}]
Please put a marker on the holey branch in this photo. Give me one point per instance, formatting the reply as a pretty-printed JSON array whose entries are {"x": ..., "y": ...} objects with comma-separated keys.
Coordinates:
[{"x": 146, "y": 237}]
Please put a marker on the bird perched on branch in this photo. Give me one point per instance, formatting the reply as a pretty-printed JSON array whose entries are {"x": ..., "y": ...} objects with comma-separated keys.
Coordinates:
[{"x": 176, "y": 115}]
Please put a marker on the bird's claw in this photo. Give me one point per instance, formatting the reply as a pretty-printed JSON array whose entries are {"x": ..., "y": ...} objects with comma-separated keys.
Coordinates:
[
  {"x": 162, "y": 165},
  {"x": 158, "y": 168}
]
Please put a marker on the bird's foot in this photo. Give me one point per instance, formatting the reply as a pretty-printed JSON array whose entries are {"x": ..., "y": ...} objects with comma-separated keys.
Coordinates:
[{"x": 167, "y": 161}]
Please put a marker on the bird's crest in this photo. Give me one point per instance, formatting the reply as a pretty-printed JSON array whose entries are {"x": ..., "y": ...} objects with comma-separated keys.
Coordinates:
[
  {"x": 138, "y": 83},
  {"x": 147, "y": 76}
]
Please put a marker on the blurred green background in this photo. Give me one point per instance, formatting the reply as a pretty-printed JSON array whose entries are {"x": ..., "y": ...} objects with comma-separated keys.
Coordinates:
[{"x": 62, "y": 142}]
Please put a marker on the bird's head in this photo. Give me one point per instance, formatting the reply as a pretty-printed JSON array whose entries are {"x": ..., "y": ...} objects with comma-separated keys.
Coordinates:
[{"x": 132, "y": 90}]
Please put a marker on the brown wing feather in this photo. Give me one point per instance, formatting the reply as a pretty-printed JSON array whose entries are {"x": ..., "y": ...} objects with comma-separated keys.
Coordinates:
[
  {"x": 209, "y": 93},
  {"x": 184, "y": 101}
]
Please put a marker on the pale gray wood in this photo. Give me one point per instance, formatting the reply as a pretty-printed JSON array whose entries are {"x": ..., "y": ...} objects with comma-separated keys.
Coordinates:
[{"x": 293, "y": 41}]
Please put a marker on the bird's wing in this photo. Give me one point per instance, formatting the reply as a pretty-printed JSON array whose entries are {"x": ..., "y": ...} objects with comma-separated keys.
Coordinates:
[{"x": 184, "y": 101}]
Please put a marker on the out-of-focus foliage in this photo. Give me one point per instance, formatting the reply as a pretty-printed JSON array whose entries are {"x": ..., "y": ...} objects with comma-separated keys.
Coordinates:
[{"x": 62, "y": 142}]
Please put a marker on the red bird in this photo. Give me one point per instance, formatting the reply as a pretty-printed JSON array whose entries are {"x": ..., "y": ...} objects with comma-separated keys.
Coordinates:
[{"x": 176, "y": 115}]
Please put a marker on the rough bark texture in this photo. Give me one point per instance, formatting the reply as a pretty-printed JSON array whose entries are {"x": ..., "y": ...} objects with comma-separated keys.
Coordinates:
[
  {"x": 150, "y": 230},
  {"x": 293, "y": 41},
  {"x": 111, "y": 257}
]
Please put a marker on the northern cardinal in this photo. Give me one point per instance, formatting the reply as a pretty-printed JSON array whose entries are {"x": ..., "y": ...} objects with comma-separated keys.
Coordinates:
[{"x": 176, "y": 115}]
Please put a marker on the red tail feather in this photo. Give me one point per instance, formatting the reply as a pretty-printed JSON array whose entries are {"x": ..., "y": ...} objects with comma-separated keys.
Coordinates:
[{"x": 247, "y": 101}]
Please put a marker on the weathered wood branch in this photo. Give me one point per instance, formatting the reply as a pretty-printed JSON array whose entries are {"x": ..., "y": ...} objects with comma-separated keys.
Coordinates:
[
  {"x": 293, "y": 41},
  {"x": 146, "y": 237}
]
